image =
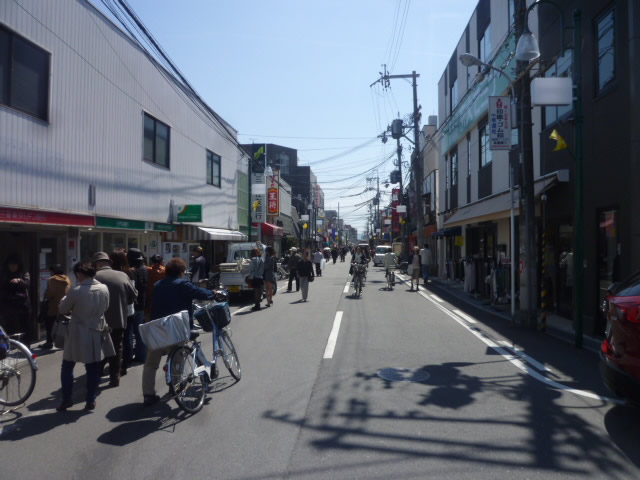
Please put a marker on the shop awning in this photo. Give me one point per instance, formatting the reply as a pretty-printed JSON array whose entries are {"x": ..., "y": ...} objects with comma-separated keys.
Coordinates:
[
  {"x": 448, "y": 232},
  {"x": 498, "y": 206},
  {"x": 223, "y": 234},
  {"x": 271, "y": 230}
]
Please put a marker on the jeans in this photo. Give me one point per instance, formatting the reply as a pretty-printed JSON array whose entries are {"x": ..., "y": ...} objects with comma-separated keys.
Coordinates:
[
  {"x": 93, "y": 380},
  {"x": 293, "y": 273},
  {"x": 318, "y": 270},
  {"x": 425, "y": 273},
  {"x": 129, "y": 351}
]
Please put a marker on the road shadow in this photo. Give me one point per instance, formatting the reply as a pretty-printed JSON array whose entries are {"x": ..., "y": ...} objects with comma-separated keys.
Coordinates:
[
  {"x": 623, "y": 425},
  {"x": 31, "y": 426}
]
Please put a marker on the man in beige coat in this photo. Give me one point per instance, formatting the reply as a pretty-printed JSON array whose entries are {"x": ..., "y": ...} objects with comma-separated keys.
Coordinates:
[{"x": 121, "y": 294}]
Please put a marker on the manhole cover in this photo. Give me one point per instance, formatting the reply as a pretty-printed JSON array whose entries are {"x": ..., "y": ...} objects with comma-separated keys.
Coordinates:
[{"x": 404, "y": 374}]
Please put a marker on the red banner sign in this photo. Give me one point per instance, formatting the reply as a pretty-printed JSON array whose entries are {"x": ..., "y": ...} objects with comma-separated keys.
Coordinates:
[
  {"x": 16, "y": 215},
  {"x": 273, "y": 196}
]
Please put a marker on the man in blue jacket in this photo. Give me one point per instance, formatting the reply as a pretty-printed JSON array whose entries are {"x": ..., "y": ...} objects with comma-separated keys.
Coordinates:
[{"x": 171, "y": 295}]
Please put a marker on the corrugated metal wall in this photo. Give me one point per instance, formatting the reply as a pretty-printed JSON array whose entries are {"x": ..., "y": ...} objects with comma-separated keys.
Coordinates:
[{"x": 100, "y": 87}]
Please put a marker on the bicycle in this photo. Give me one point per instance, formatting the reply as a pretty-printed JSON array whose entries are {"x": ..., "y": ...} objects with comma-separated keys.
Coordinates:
[
  {"x": 391, "y": 278},
  {"x": 18, "y": 368},
  {"x": 359, "y": 272},
  {"x": 188, "y": 371}
]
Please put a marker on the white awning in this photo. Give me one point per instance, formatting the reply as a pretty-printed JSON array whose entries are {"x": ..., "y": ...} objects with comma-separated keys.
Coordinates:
[{"x": 222, "y": 234}]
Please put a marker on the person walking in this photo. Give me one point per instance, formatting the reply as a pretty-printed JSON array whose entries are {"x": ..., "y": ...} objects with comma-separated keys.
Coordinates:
[
  {"x": 15, "y": 305},
  {"x": 121, "y": 294},
  {"x": 414, "y": 265},
  {"x": 305, "y": 272},
  {"x": 256, "y": 276},
  {"x": 138, "y": 272},
  {"x": 58, "y": 286},
  {"x": 334, "y": 254},
  {"x": 171, "y": 295},
  {"x": 425, "y": 259},
  {"x": 199, "y": 267},
  {"x": 270, "y": 269},
  {"x": 294, "y": 258},
  {"x": 86, "y": 340},
  {"x": 155, "y": 273},
  {"x": 317, "y": 261}
]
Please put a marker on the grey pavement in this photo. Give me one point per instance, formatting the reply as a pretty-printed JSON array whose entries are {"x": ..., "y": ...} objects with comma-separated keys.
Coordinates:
[{"x": 418, "y": 385}]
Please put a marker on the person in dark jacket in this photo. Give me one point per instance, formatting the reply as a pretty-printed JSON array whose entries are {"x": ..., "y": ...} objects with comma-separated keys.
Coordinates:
[
  {"x": 256, "y": 275},
  {"x": 171, "y": 295},
  {"x": 294, "y": 258},
  {"x": 305, "y": 272},
  {"x": 139, "y": 275},
  {"x": 15, "y": 306},
  {"x": 199, "y": 267},
  {"x": 270, "y": 268}
]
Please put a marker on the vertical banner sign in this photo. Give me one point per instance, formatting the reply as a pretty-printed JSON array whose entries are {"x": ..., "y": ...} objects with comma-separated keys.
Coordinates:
[
  {"x": 258, "y": 198},
  {"x": 500, "y": 123},
  {"x": 273, "y": 195}
]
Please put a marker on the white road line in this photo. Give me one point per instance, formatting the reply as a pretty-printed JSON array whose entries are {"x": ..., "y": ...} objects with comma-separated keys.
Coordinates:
[
  {"x": 465, "y": 316},
  {"x": 531, "y": 361},
  {"x": 333, "y": 336},
  {"x": 437, "y": 298},
  {"x": 346, "y": 287},
  {"x": 518, "y": 363}
]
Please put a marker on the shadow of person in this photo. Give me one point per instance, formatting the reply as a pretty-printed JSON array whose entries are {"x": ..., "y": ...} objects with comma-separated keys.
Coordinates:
[
  {"x": 25, "y": 427},
  {"x": 453, "y": 389}
]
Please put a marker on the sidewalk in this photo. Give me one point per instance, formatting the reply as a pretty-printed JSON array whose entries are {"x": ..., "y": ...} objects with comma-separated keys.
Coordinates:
[{"x": 557, "y": 326}]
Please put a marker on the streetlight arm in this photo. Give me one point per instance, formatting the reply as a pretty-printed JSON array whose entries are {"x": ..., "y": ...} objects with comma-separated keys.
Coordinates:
[
  {"x": 469, "y": 60},
  {"x": 550, "y": 2}
]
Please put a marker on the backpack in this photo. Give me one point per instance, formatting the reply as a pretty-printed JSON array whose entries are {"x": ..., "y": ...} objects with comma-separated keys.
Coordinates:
[{"x": 4, "y": 344}]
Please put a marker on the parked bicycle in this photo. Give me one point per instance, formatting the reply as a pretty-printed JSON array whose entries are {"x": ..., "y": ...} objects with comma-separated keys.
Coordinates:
[
  {"x": 188, "y": 371},
  {"x": 17, "y": 370},
  {"x": 283, "y": 271},
  {"x": 359, "y": 272}
]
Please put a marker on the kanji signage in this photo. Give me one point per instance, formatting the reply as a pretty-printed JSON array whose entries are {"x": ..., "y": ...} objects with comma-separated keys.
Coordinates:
[
  {"x": 273, "y": 196},
  {"x": 499, "y": 123},
  {"x": 258, "y": 197}
]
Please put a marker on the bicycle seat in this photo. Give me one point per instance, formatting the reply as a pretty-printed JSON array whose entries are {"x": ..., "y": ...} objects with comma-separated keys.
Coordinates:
[{"x": 194, "y": 334}]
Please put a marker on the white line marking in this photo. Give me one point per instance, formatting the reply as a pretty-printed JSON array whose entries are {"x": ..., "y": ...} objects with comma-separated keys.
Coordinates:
[
  {"x": 531, "y": 361},
  {"x": 518, "y": 363},
  {"x": 465, "y": 316},
  {"x": 437, "y": 298},
  {"x": 333, "y": 336},
  {"x": 346, "y": 287}
]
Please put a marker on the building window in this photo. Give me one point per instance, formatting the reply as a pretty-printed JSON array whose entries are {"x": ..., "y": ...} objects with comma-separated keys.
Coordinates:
[
  {"x": 282, "y": 161},
  {"x": 606, "y": 61},
  {"x": 560, "y": 68},
  {"x": 24, "y": 75},
  {"x": 454, "y": 167},
  {"x": 511, "y": 13},
  {"x": 446, "y": 172},
  {"x": 156, "y": 141},
  {"x": 484, "y": 46},
  {"x": 468, "y": 155},
  {"x": 485, "y": 151},
  {"x": 213, "y": 169},
  {"x": 453, "y": 94}
]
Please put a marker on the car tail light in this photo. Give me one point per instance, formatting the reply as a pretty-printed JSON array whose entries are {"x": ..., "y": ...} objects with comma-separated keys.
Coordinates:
[
  {"x": 629, "y": 312},
  {"x": 605, "y": 347}
]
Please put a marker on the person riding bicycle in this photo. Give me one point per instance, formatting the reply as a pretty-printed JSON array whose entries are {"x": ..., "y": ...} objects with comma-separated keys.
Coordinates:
[
  {"x": 358, "y": 258},
  {"x": 389, "y": 262}
]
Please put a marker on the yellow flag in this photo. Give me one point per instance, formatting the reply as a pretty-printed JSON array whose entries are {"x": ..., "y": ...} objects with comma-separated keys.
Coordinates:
[
  {"x": 256, "y": 204},
  {"x": 561, "y": 144},
  {"x": 258, "y": 153},
  {"x": 306, "y": 225}
]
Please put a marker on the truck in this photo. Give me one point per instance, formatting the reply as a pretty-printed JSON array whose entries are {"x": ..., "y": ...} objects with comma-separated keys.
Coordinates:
[{"x": 236, "y": 268}]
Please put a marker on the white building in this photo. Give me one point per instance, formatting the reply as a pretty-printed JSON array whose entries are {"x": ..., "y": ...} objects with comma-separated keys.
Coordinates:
[{"x": 98, "y": 143}]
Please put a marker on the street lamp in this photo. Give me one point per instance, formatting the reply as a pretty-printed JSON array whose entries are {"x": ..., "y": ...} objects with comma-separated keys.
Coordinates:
[
  {"x": 527, "y": 49},
  {"x": 469, "y": 60}
]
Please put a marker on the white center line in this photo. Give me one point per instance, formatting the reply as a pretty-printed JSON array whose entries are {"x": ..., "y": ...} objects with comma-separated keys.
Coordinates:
[
  {"x": 437, "y": 298},
  {"x": 333, "y": 336},
  {"x": 346, "y": 287},
  {"x": 465, "y": 316},
  {"x": 525, "y": 357}
]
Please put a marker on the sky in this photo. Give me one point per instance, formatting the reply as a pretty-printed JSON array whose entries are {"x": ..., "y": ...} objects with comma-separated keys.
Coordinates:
[{"x": 297, "y": 73}]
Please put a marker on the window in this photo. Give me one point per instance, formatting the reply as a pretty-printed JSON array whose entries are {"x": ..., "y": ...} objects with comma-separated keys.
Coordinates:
[
  {"x": 213, "y": 169},
  {"x": 156, "y": 141},
  {"x": 511, "y": 14},
  {"x": 446, "y": 172},
  {"x": 24, "y": 75},
  {"x": 454, "y": 167},
  {"x": 605, "y": 27},
  {"x": 484, "y": 46},
  {"x": 485, "y": 151},
  {"x": 468, "y": 155},
  {"x": 560, "y": 68},
  {"x": 453, "y": 94},
  {"x": 282, "y": 161}
]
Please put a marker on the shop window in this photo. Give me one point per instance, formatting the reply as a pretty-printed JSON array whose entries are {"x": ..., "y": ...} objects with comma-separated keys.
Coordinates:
[
  {"x": 156, "y": 141},
  {"x": 213, "y": 169},
  {"x": 89, "y": 245},
  {"x": 606, "y": 50},
  {"x": 24, "y": 75},
  {"x": 484, "y": 146}
]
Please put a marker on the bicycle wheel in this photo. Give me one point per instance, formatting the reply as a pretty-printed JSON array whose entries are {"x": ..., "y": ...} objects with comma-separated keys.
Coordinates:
[
  {"x": 230, "y": 356},
  {"x": 17, "y": 375},
  {"x": 358, "y": 286},
  {"x": 187, "y": 388}
]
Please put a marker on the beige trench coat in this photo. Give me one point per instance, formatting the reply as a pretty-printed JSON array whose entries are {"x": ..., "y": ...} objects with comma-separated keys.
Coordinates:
[{"x": 87, "y": 303}]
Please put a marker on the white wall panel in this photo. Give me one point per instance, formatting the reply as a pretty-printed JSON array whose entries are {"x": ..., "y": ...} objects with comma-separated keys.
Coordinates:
[{"x": 100, "y": 86}]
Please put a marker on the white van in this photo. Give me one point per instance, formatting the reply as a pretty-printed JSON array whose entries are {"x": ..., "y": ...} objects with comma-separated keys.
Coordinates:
[{"x": 381, "y": 251}]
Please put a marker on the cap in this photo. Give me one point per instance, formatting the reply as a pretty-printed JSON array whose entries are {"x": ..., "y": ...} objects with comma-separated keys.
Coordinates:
[{"x": 101, "y": 257}]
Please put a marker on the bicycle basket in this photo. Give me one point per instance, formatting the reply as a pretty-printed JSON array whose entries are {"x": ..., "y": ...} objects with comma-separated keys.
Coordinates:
[
  {"x": 4, "y": 344},
  {"x": 217, "y": 313}
]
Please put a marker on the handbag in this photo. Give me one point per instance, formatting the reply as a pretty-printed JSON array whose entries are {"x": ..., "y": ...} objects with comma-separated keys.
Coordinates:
[
  {"x": 60, "y": 330},
  {"x": 410, "y": 270},
  {"x": 311, "y": 278}
]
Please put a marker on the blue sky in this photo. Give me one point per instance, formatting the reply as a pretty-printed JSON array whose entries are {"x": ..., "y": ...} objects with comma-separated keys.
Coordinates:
[{"x": 298, "y": 73}]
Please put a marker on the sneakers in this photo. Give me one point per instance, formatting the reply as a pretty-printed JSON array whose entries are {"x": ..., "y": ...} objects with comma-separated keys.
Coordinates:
[
  {"x": 47, "y": 346},
  {"x": 150, "y": 400},
  {"x": 64, "y": 406}
]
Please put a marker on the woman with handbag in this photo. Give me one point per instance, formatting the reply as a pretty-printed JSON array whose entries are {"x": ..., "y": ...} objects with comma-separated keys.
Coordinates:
[
  {"x": 305, "y": 272},
  {"x": 415, "y": 267},
  {"x": 256, "y": 277},
  {"x": 87, "y": 339},
  {"x": 270, "y": 268},
  {"x": 58, "y": 286}
]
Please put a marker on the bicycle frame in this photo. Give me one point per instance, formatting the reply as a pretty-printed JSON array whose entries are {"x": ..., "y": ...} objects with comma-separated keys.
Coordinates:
[{"x": 199, "y": 358}]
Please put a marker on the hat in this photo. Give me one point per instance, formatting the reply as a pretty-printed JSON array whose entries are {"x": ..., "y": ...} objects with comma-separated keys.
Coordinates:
[
  {"x": 101, "y": 257},
  {"x": 134, "y": 254},
  {"x": 197, "y": 249},
  {"x": 156, "y": 258},
  {"x": 294, "y": 249}
]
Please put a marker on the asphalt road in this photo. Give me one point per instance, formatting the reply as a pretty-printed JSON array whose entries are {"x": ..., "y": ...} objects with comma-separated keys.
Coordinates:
[{"x": 395, "y": 384}]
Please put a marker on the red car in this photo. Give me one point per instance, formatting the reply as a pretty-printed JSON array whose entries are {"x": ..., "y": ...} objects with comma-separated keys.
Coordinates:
[{"x": 620, "y": 351}]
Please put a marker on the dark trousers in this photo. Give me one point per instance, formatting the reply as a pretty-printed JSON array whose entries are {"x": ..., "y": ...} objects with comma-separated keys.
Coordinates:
[
  {"x": 293, "y": 273},
  {"x": 129, "y": 351},
  {"x": 318, "y": 270},
  {"x": 93, "y": 380},
  {"x": 115, "y": 362},
  {"x": 48, "y": 325}
]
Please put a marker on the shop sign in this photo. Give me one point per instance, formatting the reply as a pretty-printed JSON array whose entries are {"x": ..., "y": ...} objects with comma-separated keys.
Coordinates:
[
  {"x": 188, "y": 213},
  {"x": 163, "y": 227},
  {"x": 17, "y": 215},
  {"x": 107, "y": 222},
  {"x": 499, "y": 123},
  {"x": 258, "y": 198},
  {"x": 273, "y": 195}
]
